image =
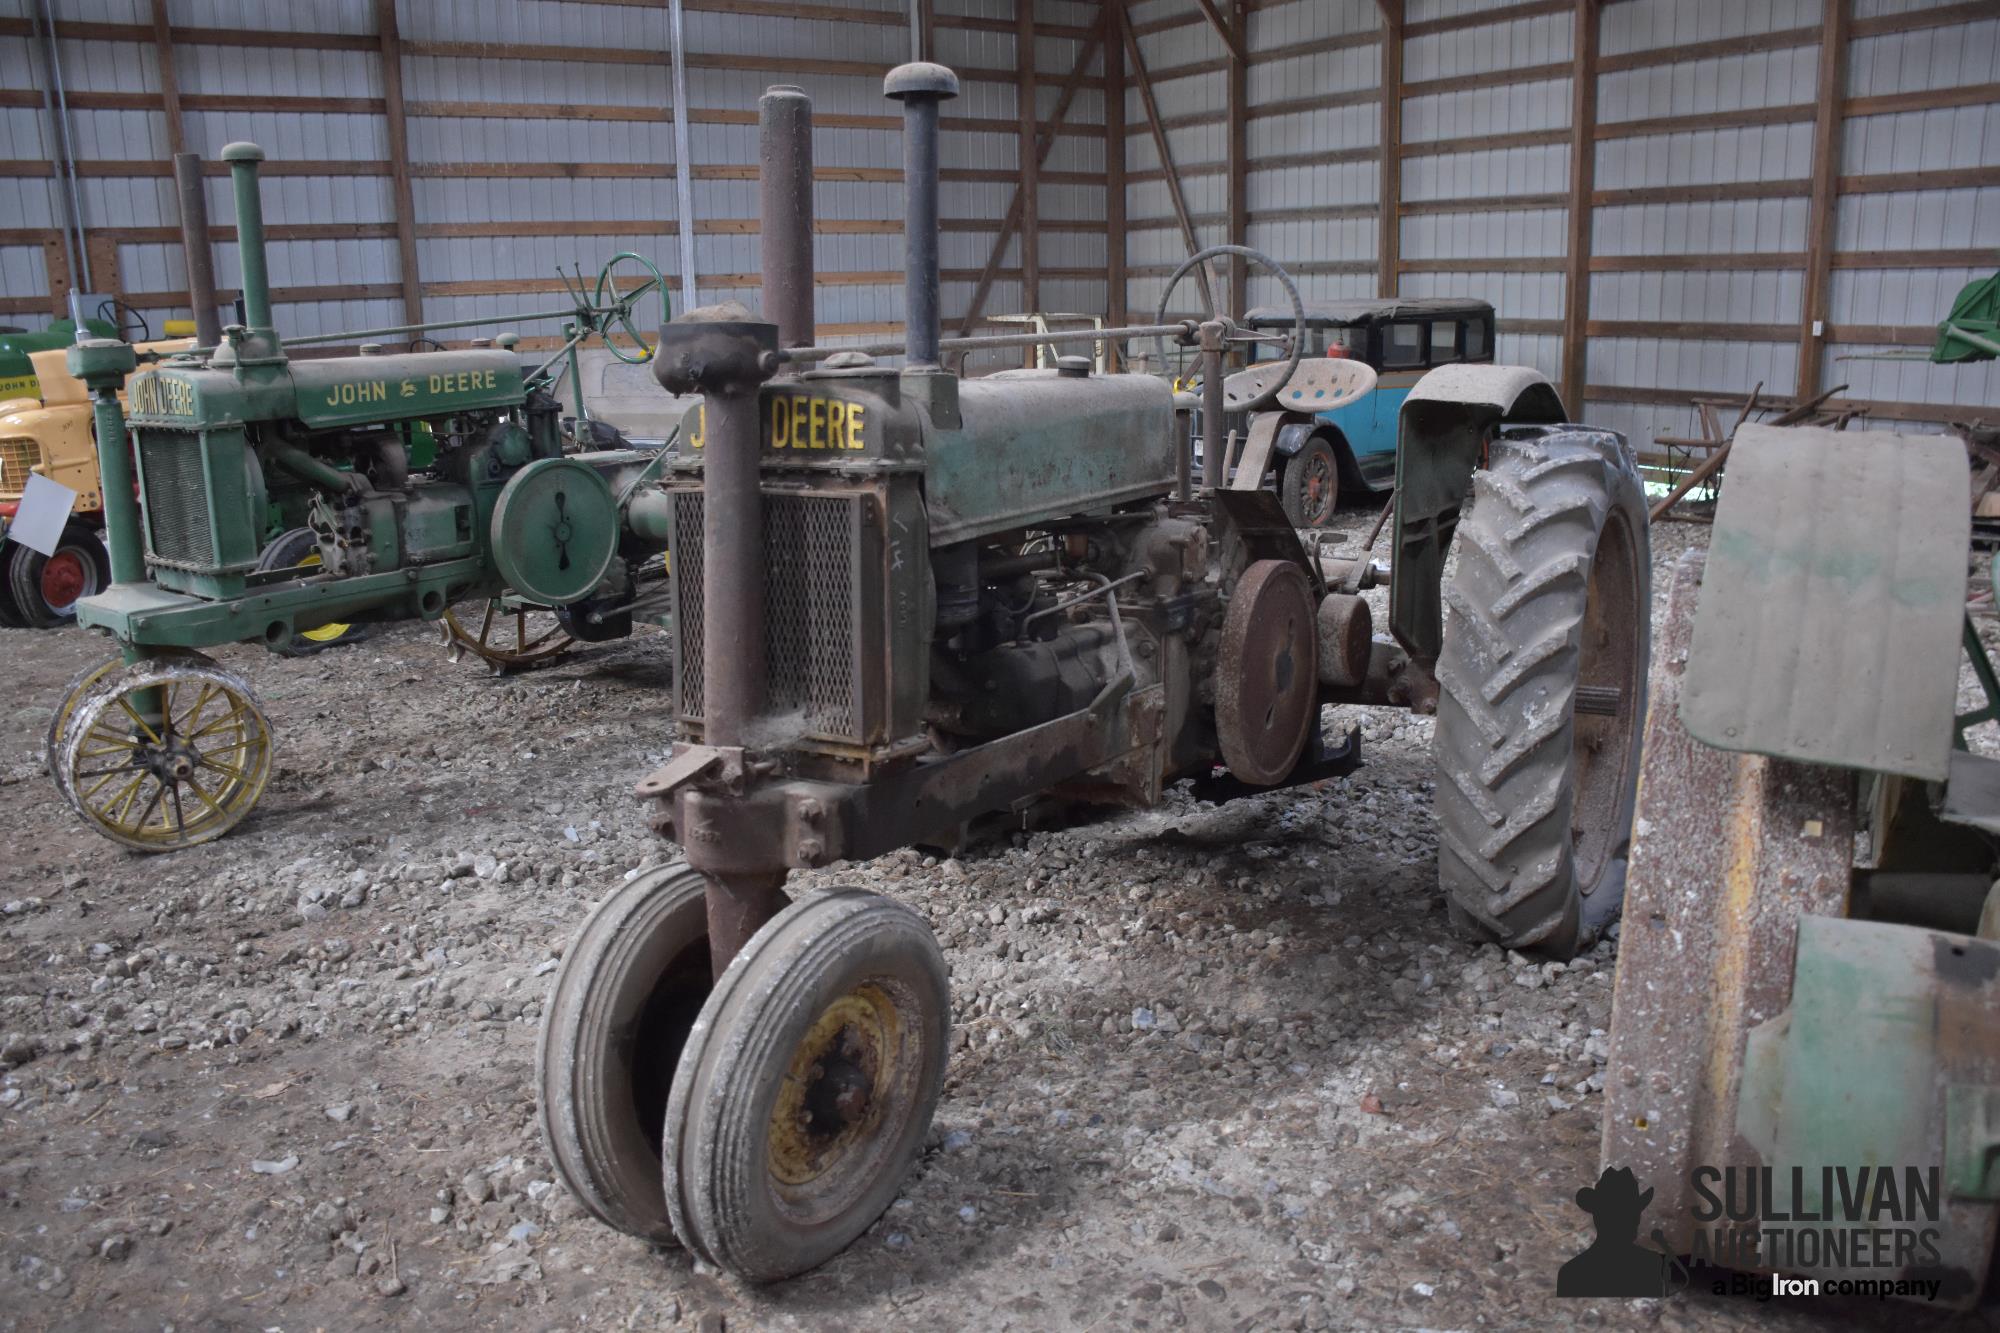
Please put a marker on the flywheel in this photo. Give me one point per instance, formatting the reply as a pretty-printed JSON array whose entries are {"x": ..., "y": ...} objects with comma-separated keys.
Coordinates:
[{"x": 1267, "y": 675}]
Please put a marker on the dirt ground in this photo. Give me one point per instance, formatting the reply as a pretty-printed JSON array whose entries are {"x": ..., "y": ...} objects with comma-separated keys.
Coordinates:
[{"x": 1213, "y": 1068}]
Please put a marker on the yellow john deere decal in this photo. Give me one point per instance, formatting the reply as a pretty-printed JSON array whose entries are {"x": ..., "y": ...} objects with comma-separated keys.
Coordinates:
[
  {"x": 19, "y": 385},
  {"x": 362, "y": 392},
  {"x": 160, "y": 396},
  {"x": 795, "y": 421}
]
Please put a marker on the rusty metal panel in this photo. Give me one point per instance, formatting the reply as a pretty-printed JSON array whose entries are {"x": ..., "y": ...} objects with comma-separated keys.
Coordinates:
[
  {"x": 1728, "y": 852},
  {"x": 1828, "y": 630}
]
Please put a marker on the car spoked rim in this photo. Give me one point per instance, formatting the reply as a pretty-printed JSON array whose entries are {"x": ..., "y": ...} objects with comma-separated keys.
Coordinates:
[
  {"x": 1318, "y": 481},
  {"x": 847, "y": 1075},
  {"x": 166, "y": 754}
]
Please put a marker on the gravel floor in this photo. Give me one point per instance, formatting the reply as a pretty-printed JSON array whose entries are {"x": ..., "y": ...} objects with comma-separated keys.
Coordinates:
[{"x": 1213, "y": 1067}]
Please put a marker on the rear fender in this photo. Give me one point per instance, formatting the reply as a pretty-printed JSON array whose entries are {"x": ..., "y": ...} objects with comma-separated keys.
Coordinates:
[{"x": 1445, "y": 424}]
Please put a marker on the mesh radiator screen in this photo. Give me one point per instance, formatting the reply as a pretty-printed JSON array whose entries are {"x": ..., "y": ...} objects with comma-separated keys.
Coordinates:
[{"x": 812, "y": 615}]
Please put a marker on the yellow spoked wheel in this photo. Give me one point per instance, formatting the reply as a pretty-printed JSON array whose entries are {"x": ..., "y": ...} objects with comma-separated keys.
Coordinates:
[
  {"x": 165, "y": 753},
  {"x": 509, "y": 635},
  {"x": 78, "y": 686}
]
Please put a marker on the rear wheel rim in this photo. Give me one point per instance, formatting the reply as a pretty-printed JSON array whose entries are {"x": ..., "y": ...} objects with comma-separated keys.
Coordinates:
[
  {"x": 67, "y": 577},
  {"x": 1607, "y": 660}
]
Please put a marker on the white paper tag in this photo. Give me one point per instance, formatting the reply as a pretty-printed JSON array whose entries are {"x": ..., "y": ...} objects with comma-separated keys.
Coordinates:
[{"x": 45, "y": 509}]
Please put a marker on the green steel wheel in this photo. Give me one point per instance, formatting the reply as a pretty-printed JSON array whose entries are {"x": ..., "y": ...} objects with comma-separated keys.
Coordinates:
[
  {"x": 627, "y": 303},
  {"x": 165, "y": 753},
  {"x": 508, "y": 635},
  {"x": 807, "y": 1085}
]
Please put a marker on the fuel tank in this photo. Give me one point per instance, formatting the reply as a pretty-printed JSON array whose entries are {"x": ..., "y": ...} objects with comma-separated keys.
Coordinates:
[{"x": 1037, "y": 445}]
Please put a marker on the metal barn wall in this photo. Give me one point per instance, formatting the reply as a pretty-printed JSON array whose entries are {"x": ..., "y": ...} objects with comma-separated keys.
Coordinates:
[
  {"x": 538, "y": 137},
  {"x": 1695, "y": 251}
]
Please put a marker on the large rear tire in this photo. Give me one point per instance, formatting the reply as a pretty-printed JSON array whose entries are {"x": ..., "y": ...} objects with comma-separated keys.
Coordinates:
[
  {"x": 1543, "y": 697},
  {"x": 44, "y": 590}
]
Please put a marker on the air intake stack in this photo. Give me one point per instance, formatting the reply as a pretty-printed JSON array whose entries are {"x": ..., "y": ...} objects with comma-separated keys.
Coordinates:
[
  {"x": 920, "y": 86},
  {"x": 257, "y": 342}
]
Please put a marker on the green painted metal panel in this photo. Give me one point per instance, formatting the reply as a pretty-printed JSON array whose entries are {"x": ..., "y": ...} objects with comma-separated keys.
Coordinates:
[
  {"x": 1053, "y": 446},
  {"x": 1830, "y": 613},
  {"x": 1885, "y": 1021},
  {"x": 351, "y": 391}
]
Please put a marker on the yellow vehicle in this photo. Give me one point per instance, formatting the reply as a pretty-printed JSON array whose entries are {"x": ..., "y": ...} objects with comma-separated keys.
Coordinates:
[{"x": 51, "y": 435}]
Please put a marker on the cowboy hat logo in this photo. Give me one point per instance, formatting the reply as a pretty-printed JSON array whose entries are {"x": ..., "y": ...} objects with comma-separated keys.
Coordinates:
[{"x": 1615, "y": 1264}]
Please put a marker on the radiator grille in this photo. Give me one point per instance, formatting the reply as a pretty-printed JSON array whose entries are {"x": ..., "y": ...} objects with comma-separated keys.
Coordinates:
[
  {"x": 17, "y": 458},
  {"x": 177, "y": 520},
  {"x": 811, "y": 615}
]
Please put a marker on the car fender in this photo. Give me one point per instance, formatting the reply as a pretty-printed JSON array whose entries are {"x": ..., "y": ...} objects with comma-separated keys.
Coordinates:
[{"x": 1293, "y": 435}]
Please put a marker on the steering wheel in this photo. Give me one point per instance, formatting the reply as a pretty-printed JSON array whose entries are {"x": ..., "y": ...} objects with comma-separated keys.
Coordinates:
[
  {"x": 416, "y": 343},
  {"x": 1298, "y": 339},
  {"x": 110, "y": 311},
  {"x": 624, "y": 303}
]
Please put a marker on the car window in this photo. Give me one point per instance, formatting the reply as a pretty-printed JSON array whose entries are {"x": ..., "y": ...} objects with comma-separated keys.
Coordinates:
[
  {"x": 1475, "y": 339},
  {"x": 1403, "y": 343},
  {"x": 1444, "y": 341}
]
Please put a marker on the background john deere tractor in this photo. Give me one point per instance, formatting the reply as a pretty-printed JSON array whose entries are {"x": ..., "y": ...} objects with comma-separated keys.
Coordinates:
[{"x": 424, "y": 479}]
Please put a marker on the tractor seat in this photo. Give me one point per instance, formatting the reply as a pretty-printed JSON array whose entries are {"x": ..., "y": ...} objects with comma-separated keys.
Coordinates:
[{"x": 1318, "y": 385}]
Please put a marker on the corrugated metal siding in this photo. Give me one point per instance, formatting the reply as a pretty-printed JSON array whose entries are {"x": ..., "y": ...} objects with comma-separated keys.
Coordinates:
[{"x": 628, "y": 200}]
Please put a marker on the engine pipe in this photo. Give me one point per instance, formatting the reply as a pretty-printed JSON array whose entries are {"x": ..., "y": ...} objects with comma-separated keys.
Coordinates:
[
  {"x": 1186, "y": 330},
  {"x": 243, "y": 159},
  {"x": 200, "y": 254},
  {"x": 920, "y": 86},
  {"x": 785, "y": 154}
]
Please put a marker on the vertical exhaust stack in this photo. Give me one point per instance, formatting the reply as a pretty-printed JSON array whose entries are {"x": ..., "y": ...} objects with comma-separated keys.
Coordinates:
[
  {"x": 920, "y": 86},
  {"x": 259, "y": 342},
  {"x": 200, "y": 254},
  {"x": 784, "y": 145}
]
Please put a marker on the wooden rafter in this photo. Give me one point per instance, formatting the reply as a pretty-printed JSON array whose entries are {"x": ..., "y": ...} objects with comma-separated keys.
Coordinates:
[
  {"x": 1582, "y": 183},
  {"x": 1389, "y": 224},
  {"x": 1045, "y": 143},
  {"x": 170, "y": 82},
  {"x": 1816, "y": 310},
  {"x": 1231, "y": 34},
  {"x": 1173, "y": 181},
  {"x": 391, "y": 50}
]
